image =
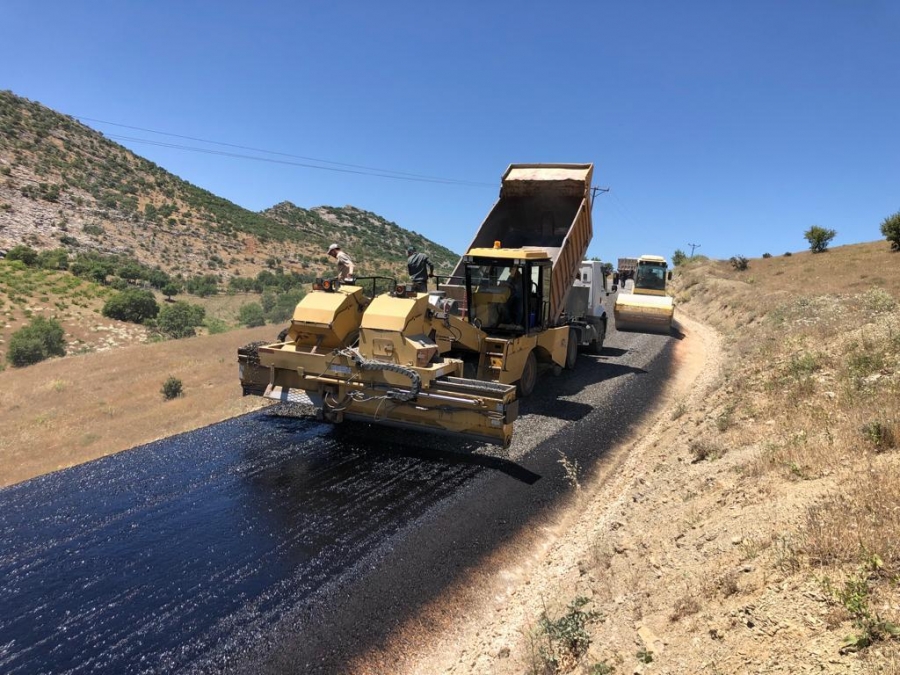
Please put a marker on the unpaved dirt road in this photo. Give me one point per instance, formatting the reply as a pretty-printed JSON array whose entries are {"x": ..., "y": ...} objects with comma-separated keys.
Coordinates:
[{"x": 274, "y": 543}]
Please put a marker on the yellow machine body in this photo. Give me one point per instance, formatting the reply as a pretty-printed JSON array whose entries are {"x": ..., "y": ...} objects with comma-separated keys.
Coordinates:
[
  {"x": 647, "y": 306},
  {"x": 402, "y": 359}
]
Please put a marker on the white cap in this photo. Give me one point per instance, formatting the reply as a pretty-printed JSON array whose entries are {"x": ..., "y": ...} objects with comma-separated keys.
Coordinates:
[{"x": 333, "y": 247}]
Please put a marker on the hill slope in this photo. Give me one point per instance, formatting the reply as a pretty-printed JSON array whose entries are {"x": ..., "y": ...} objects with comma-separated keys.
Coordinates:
[{"x": 64, "y": 184}]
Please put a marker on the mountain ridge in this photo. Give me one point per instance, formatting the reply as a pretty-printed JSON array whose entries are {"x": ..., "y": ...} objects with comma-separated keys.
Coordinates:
[{"x": 65, "y": 185}]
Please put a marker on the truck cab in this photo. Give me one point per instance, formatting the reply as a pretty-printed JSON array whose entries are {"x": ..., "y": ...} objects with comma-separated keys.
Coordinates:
[{"x": 507, "y": 290}]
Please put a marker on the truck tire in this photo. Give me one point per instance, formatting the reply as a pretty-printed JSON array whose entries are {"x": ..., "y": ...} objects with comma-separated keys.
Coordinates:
[
  {"x": 572, "y": 349},
  {"x": 525, "y": 385},
  {"x": 596, "y": 345}
]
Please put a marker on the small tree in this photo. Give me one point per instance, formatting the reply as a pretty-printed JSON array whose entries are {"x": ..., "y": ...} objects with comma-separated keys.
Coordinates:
[
  {"x": 170, "y": 289},
  {"x": 679, "y": 257},
  {"x": 134, "y": 305},
  {"x": 252, "y": 315},
  {"x": 890, "y": 228},
  {"x": 180, "y": 319},
  {"x": 39, "y": 340},
  {"x": 819, "y": 238},
  {"x": 739, "y": 262},
  {"x": 131, "y": 271}
]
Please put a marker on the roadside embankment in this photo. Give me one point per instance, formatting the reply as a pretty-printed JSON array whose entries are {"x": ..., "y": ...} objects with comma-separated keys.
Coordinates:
[{"x": 753, "y": 527}]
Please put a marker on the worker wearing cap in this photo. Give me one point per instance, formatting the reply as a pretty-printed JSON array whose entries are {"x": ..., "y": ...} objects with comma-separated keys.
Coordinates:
[
  {"x": 345, "y": 265},
  {"x": 420, "y": 269}
]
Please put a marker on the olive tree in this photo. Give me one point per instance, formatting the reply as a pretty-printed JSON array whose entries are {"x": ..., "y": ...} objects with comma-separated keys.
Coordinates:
[
  {"x": 890, "y": 228},
  {"x": 819, "y": 238}
]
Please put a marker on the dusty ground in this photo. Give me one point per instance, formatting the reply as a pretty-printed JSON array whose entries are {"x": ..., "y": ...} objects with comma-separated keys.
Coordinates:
[{"x": 689, "y": 565}]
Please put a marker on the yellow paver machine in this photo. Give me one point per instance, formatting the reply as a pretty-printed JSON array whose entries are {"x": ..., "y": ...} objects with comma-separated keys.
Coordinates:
[{"x": 453, "y": 360}]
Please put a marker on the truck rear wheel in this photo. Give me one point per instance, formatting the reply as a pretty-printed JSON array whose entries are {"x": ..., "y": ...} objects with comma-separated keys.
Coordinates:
[{"x": 526, "y": 383}]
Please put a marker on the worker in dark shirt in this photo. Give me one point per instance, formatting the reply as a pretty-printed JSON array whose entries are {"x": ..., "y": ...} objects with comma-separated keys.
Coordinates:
[{"x": 420, "y": 269}]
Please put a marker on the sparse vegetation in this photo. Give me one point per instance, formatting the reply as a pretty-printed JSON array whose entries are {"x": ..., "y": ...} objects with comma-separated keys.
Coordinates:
[
  {"x": 702, "y": 449},
  {"x": 821, "y": 369},
  {"x": 679, "y": 410},
  {"x": 739, "y": 262},
  {"x": 562, "y": 642}
]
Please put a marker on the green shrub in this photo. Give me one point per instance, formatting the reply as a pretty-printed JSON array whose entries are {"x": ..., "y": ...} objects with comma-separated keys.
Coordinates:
[
  {"x": 39, "y": 340},
  {"x": 134, "y": 305},
  {"x": 819, "y": 238},
  {"x": 767, "y": 255},
  {"x": 55, "y": 259},
  {"x": 26, "y": 254},
  {"x": 215, "y": 325},
  {"x": 203, "y": 286},
  {"x": 890, "y": 228},
  {"x": 180, "y": 320},
  {"x": 739, "y": 262},
  {"x": 252, "y": 315},
  {"x": 172, "y": 388},
  {"x": 565, "y": 640}
]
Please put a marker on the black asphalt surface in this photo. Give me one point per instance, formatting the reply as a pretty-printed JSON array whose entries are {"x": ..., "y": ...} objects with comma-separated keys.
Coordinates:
[{"x": 273, "y": 543}]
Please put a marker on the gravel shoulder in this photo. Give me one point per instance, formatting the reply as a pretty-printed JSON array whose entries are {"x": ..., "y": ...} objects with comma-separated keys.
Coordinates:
[
  {"x": 630, "y": 542},
  {"x": 689, "y": 564}
]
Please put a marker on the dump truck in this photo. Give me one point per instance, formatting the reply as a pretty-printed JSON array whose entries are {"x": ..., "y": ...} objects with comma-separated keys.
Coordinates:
[
  {"x": 626, "y": 267},
  {"x": 642, "y": 303},
  {"x": 455, "y": 360}
]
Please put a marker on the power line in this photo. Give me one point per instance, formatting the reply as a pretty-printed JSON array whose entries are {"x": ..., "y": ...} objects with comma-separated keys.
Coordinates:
[
  {"x": 223, "y": 153},
  {"x": 693, "y": 246},
  {"x": 358, "y": 168}
]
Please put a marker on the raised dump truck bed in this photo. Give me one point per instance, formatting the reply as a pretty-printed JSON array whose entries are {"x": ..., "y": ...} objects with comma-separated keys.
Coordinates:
[
  {"x": 544, "y": 206},
  {"x": 420, "y": 361}
]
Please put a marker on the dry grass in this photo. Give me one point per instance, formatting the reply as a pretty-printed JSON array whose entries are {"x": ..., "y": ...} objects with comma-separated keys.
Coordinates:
[
  {"x": 66, "y": 411},
  {"x": 814, "y": 382}
]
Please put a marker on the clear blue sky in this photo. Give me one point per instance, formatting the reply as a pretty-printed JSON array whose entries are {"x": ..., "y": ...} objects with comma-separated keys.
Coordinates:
[{"x": 733, "y": 125}]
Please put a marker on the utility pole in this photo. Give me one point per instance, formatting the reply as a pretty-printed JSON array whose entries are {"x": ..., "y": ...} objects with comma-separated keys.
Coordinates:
[
  {"x": 594, "y": 190},
  {"x": 693, "y": 246}
]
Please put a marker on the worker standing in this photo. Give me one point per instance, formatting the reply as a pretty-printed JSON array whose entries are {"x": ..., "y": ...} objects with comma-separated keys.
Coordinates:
[
  {"x": 345, "y": 265},
  {"x": 420, "y": 269}
]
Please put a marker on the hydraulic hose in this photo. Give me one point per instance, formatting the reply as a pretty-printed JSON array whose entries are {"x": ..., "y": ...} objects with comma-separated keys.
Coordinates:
[{"x": 416, "y": 381}]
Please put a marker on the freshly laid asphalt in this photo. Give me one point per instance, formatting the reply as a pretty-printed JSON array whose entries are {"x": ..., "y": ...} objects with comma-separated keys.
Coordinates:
[{"x": 273, "y": 543}]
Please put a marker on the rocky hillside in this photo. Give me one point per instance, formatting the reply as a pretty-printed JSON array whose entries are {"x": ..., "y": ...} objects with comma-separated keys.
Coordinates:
[{"x": 62, "y": 184}]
